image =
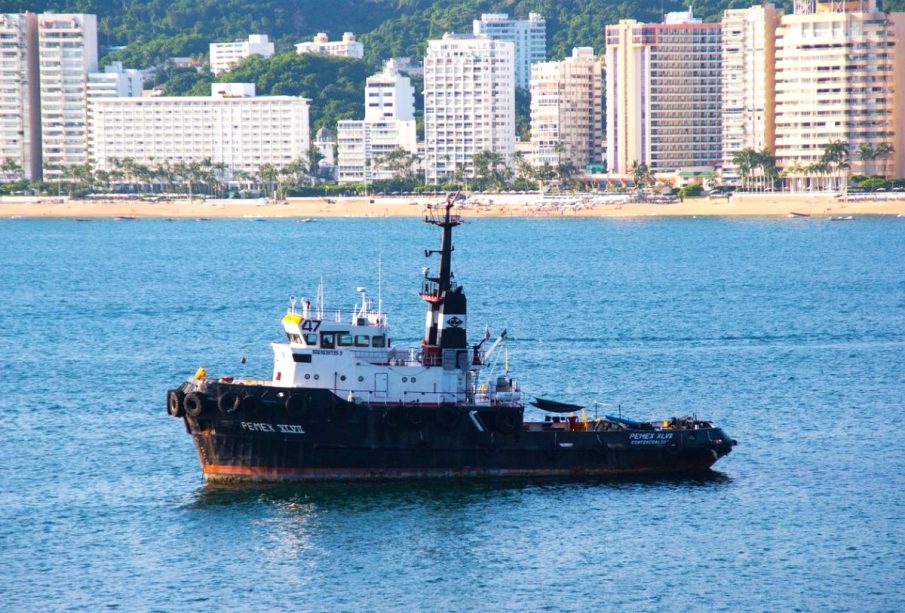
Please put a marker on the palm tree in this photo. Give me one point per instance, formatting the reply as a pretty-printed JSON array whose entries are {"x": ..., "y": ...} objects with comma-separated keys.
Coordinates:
[
  {"x": 744, "y": 162},
  {"x": 867, "y": 153},
  {"x": 835, "y": 157},
  {"x": 640, "y": 174},
  {"x": 884, "y": 151},
  {"x": 268, "y": 174},
  {"x": 11, "y": 170}
]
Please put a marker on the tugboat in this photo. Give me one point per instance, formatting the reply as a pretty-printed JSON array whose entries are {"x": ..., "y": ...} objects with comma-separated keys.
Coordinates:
[{"x": 345, "y": 403}]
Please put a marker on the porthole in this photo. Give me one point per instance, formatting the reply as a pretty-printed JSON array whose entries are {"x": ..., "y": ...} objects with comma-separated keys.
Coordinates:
[
  {"x": 342, "y": 377},
  {"x": 413, "y": 379},
  {"x": 405, "y": 379},
  {"x": 361, "y": 379},
  {"x": 307, "y": 376},
  {"x": 316, "y": 377}
]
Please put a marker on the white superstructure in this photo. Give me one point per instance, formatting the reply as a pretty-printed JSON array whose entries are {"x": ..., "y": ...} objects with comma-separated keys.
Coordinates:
[
  {"x": 469, "y": 103},
  {"x": 225, "y": 56},
  {"x": 528, "y": 35},
  {"x": 67, "y": 50},
  {"x": 20, "y": 132},
  {"x": 347, "y": 47},
  {"x": 567, "y": 110},
  {"x": 232, "y": 127}
]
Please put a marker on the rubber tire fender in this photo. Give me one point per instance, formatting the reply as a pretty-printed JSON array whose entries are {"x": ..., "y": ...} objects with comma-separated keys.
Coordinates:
[
  {"x": 248, "y": 403},
  {"x": 174, "y": 403},
  {"x": 193, "y": 403},
  {"x": 447, "y": 417},
  {"x": 508, "y": 421},
  {"x": 228, "y": 402},
  {"x": 393, "y": 419}
]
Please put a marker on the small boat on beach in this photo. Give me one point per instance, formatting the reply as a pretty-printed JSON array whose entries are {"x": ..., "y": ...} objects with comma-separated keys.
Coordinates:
[
  {"x": 124, "y": 218},
  {"x": 795, "y": 214}
]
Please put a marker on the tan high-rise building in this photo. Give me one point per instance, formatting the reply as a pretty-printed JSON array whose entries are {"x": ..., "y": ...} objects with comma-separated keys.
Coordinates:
[
  {"x": 840, "y": 75},
  {"x": 748, "y": 81},
  {"x": 663, "y": 85},
  {"x": 567, "y": 110}
]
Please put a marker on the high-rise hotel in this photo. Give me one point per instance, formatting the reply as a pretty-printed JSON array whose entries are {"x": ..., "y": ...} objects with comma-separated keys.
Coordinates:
[
  {"x": 567, "y": 110},
  {"x": 46, "y": 60},
  {"x": 67, "y": 53},
  {"x": 469, "y": 103},
  {"x": 663, "y": 93},
  {"x": 748, "y": 81},
  {"x": 840, "y": 75},
  {"x": 20, "y": 125},
  {"x": 528, "y": 35}
]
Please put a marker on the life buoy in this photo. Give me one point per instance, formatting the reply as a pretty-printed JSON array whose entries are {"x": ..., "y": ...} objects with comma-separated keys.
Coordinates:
[
  {"x": 193, "y": 403},
  {"x": 228, "y": 402},
  {"x": 174, "y": 403},
  {"x": 508, "y": 421}
]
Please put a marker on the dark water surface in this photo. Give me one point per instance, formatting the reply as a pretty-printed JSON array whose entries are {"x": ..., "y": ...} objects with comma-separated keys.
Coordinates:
[{"x": 788, "y": 333}]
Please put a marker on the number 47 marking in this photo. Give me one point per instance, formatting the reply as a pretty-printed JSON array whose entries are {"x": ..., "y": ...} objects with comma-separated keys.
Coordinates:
[{"x": 311, "y": 325}]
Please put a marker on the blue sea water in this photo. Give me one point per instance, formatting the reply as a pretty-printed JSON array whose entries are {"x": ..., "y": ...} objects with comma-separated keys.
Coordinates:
[{"x": 790, "y": 334}]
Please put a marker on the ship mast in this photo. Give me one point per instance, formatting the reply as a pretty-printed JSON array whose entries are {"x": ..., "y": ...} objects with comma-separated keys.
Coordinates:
[{"x": 445, "y": 323}]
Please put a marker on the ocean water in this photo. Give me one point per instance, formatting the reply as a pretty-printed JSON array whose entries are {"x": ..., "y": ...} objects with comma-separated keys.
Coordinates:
[{"x": 789, "y": 333}]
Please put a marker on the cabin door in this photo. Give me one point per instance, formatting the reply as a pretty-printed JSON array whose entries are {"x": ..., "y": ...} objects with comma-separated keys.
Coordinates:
[{"x": 380, "y": 386}]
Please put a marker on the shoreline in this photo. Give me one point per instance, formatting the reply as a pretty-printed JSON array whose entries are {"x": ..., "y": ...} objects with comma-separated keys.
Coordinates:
[{"x": 479, "y": 205}]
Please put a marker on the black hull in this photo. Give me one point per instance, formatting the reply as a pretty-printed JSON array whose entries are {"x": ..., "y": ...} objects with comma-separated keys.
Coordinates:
[{"x": 263, "y": 433}]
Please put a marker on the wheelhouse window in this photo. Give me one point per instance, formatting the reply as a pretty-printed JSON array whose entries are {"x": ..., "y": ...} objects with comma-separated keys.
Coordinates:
[
  {"x": 344, "y": 339},
  {"x": 328, "y": 340},
  {"x": 362, "y": 340},
  {"x": 311, "y": 339},
  {"x": 294, "y": 338},
  {"x": 379, "y": 341}
]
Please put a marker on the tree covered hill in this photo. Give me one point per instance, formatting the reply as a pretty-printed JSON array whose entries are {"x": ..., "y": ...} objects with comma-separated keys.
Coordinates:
[{"x": 153, "y": 30}]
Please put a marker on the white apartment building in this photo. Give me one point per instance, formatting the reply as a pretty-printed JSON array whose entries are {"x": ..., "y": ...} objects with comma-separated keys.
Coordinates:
[
  {"x": 347, "y": 47},
  {"x": 528, "y": 35},
  {"x": 225, "y": 56},
  {"x": 67, "y": 52},
  {"x": 840, "y": 75},
  {"x": 389, "y": 124},
  {"x": 567, "y": 110},
  {"x": 20, "y": 126},
  {"x": 663, "y": 88},
  {"x": 389, "y": 95},
  {"x": 232, "y": 126},
  {"x": 469, "y": 103},
  {"x": 363, "y": 144},
  {"x": 748, "y": 82},
  {"x": 115, "y": 82}
]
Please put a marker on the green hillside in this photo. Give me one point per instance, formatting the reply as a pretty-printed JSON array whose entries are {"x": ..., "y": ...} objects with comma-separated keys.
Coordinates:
[{"x": 144, "y": 33}]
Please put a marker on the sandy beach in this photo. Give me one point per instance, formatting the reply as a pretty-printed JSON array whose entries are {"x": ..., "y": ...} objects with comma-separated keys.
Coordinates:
[{"x": 479, "y": 205}]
